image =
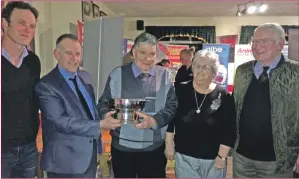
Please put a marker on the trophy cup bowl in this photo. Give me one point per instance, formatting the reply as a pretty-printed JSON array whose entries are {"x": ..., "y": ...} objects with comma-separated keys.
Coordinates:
[{"x": 125, "y": 109}]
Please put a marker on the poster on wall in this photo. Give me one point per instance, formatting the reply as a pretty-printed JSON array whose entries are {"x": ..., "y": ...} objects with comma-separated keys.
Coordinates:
[
  {"x": 232, "y": 40},
  {"x": 243, "y": 54},
  {"x": 223, "y": 51},
  {"x": 174, "y": 52}
]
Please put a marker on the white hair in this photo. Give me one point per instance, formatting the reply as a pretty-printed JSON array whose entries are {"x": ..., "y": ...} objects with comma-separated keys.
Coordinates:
[
  {"x": 275, "y": 28},
  {"x": 207, "y": 55}
]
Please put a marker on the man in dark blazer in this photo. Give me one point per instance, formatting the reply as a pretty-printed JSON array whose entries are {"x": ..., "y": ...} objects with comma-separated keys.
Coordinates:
[{"x": 71, "y": 127}]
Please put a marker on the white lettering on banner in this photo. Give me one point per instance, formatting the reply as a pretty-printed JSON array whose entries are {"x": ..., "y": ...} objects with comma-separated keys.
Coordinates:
[{"x": 215, "y": 49}]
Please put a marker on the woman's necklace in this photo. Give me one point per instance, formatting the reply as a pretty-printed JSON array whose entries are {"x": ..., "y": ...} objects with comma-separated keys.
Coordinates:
[{"x": 198, "y": 108}]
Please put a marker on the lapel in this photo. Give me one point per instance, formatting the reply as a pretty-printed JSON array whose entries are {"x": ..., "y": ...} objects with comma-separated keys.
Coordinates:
[
  {"x": 72, "y": 97},
  {"x": 246, "y": 77},
  {"x": 273, "y": 73}
]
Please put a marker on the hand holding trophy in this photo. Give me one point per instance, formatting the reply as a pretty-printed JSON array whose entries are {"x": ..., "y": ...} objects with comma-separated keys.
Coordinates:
[{"x": 109, "y": 122}]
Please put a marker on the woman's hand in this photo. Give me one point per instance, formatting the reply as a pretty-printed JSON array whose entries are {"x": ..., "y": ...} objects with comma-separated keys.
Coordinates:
[{"x": 169, "y": 150}]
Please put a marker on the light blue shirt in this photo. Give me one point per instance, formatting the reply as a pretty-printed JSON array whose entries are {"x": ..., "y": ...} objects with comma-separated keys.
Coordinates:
[
  {"x": 6, "y": 55},
  {"x": 258, "y": 68},
  {"x": 67, "y": 75}
]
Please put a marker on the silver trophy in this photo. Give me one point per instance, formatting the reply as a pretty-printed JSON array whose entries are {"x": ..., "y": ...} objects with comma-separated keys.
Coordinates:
[{"x": 125, "y": 109}]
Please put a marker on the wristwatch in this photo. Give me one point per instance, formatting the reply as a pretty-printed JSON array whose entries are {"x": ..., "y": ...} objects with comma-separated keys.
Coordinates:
[{"x": 222, "y": 158}]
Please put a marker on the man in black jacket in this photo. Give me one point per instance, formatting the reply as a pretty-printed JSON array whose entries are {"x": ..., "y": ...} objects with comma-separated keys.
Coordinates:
[
  {"x": 20, "y": 72},
  {"x": 185, "y": 72}
]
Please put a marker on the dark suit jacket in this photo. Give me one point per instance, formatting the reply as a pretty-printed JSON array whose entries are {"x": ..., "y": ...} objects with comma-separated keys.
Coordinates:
[{"x": 68, "y": 133}]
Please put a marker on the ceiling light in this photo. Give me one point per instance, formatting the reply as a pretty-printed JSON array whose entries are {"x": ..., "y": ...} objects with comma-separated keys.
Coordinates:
[
  {"x": 251, "y": 9},
  {"x": 238, "y": 12},
  {"x": 263, "y": 7}
]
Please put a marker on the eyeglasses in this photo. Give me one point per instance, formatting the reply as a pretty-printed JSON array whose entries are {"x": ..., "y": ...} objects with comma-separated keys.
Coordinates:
[
  {"x": 262, "y": 42},
  {"x": 203, "y": 67},
  {"x": 144, "y": 55}
]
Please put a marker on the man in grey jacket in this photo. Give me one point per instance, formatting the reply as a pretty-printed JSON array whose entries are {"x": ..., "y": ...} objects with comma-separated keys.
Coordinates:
[{"x": 138, "y": 150}]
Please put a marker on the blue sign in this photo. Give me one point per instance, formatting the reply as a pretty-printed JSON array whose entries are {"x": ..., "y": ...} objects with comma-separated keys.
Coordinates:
[{"x": 223, "y": 51}]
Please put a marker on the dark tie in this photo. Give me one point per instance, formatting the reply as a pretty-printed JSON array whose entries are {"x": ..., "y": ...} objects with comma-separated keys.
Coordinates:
[
  {"x": 264, "y": 75},
  {"x": 144, "y": 77},
  {"x": 81, "y": 98}
]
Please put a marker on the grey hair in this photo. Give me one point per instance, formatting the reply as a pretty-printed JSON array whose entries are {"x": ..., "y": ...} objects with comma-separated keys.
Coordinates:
[
  {"x": 275, "y": 28},
  {"x": 207, "y": 55},
  {"x": 145, "y": 38}
]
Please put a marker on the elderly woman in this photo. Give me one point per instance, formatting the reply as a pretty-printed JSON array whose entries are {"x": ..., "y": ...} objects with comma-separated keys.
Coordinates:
[{"x": 204, "y": 123}]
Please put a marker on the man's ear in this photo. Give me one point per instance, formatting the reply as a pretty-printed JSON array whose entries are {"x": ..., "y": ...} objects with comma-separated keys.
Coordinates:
[
  {"x": 4, "y": 24},
  {"x": 134, "y": 53},
  {"x": 55, "y": 52},
  {"x": 281, "y": 43}
]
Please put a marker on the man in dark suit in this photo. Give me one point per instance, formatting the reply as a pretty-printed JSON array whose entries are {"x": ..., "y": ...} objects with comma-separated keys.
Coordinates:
[{"x": 71, "y": 127}]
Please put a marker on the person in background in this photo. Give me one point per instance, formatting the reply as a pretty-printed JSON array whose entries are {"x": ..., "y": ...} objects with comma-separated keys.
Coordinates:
[
  {"x": 164, "y": 63},
  {"x": 71, "y": 127},
  {"x": 138, "y": 149},
  {"x": 204, "y": 125},
  {"x": 266, "y": 98},
  {"x": 128, "y": 58},
  {"x": 21, "y": 70},
  {"x": 184, "y": 73}
]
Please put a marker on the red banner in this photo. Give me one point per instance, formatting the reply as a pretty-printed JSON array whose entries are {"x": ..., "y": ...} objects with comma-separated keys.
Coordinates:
[
  {"x": 80, "y": 31},
  {"x": 164, "y": 49}
]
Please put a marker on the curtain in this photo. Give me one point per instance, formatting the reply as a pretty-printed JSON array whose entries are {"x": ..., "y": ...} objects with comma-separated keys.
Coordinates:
[
  {"x": 247, "y": 32},
  {"x": 208, "y": 33}
]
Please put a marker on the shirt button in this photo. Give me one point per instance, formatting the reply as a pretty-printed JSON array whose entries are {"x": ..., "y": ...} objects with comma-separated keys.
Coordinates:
[{"x": 90, "y": 141}]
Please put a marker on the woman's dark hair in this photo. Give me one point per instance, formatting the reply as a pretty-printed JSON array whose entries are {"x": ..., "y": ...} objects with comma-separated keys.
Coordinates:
[{"x": 163, "y": 61}]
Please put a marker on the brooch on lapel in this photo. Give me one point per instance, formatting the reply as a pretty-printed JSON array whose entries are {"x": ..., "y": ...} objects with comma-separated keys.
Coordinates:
[{"x": 216, "y": 103}]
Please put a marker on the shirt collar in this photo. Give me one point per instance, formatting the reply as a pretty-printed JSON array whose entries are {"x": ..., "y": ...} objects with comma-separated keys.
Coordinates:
[
  {"x": 66, "y": 75},
  {"x": 137, "y": 71},
  {"x": 6, "y": 55},
  {"x": 259, "y": 65}
]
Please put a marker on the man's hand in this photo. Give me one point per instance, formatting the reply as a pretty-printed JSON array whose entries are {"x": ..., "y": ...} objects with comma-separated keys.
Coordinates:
[
  {"x": 148, "y": 121},
  {"x": 109, "y": 122}
]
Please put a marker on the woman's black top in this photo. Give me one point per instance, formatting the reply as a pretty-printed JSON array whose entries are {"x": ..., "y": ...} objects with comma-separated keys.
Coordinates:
[{"x": 199, "y": 135}]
